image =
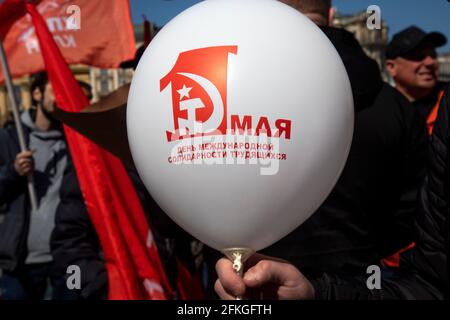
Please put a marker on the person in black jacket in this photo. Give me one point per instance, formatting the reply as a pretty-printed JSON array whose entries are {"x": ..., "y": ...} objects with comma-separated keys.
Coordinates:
[
  {"x": 423, "y": 274},
  {"x": 74, "y": 240},
  {"x": 25, "y": 256},
  {"x": 369, "y": 214},
  {"x": 411, "y": 60}
]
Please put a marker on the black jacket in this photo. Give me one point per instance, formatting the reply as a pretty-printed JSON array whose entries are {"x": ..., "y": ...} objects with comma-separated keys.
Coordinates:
[
  {"x": 14, "y": 198},
  {"x": 425, "y": 105},
  {"x": 425, "y": 270},
  {"x": 75, "y": 242},
  {"x": 369, "y": 213}
]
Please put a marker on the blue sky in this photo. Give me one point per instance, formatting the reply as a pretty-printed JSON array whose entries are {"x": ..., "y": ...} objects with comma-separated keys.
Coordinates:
[{"x": 430, "y": 15}]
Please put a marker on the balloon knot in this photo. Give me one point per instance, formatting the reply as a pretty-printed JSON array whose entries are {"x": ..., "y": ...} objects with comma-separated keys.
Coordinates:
[{"x": 237, "y": 262}]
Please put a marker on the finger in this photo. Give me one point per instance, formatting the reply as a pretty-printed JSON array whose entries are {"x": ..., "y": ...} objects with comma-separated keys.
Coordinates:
[
  {"x": 27, "y": 166},
  {"x": 23, "y": 159},
  {"x": 271, "y": 272},
  {"x": 25, "y": 170},
  {"x": 257, "y": 257},
  {"x": 26, "y": 154},
  {"x": 221, "y": 291},
  {"x": 231, "y": 282},
  {"x": 25, "y": 162}
]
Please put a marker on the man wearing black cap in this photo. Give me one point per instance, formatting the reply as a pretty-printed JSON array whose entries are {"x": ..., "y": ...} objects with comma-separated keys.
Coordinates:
[{"x": 412, "y": 63}]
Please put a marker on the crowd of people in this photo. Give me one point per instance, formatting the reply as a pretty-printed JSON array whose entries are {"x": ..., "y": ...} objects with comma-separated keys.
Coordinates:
[
  {"x": 392, "y": 194},
  {"x": 389, "y": 208},
  {"x": 37, "y": 247}
]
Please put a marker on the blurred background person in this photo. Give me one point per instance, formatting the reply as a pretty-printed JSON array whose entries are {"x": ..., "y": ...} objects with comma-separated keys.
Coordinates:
[
  {"x": 25, "y": 255},
  {"x": 423, "y": 274},
  {"x": 411, "y": 60},
  {"x": 75, "y": 241}
]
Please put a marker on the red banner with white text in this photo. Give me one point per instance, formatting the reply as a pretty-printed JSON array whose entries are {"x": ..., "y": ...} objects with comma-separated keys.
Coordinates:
[{"x": 97, "y": 33}]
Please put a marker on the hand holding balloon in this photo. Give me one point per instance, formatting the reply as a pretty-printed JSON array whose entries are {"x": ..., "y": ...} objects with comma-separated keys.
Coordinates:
[
  {"x": 266, "y": 278},
  {"x": 211, "y": 99}
]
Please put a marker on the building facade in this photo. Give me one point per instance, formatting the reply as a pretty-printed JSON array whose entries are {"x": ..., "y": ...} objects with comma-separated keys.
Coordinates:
[
  {"x": 444, "y": 64},
  {"x": 374, "y": 42},
  {"x": 103, "y": 81}
]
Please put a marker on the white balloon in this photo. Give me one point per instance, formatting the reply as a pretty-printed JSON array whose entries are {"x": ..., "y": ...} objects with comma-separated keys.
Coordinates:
[{"x": 230, "y": 64}]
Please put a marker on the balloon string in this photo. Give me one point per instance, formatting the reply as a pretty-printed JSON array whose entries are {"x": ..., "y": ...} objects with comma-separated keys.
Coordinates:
[{"x": 238, "y": 266}]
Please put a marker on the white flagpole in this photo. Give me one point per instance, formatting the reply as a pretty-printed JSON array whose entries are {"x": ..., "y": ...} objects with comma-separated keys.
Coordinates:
[{"x": 15, "y": 110}]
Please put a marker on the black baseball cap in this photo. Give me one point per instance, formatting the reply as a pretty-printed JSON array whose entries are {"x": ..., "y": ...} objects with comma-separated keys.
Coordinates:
[{"x": 410, "y": 38}]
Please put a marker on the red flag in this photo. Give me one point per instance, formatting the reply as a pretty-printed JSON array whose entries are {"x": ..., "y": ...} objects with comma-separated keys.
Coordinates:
[
  {"x": 188, "y": 284},
  {"x": 10, "y": 12},
  {"x": 134, "y": 267},
  {"x": 98, "y": 33},
  {"x": 199, "y": 62}
]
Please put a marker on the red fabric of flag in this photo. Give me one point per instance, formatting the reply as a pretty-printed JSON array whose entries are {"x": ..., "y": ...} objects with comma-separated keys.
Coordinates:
[
  {"x": 135, "y": 270},
  {"x": 10, "y": 12},
  {"x": 97, "y": 33}
]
